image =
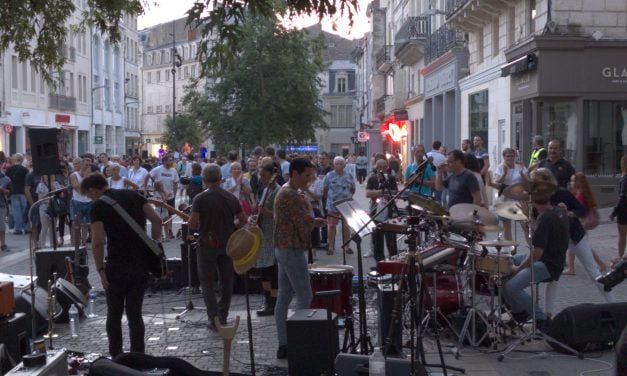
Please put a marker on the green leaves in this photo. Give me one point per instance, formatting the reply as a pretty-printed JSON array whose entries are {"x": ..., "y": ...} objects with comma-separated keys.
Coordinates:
[
  {"x": 184, "y": 130},
  {"x": 269, "y": 94}
]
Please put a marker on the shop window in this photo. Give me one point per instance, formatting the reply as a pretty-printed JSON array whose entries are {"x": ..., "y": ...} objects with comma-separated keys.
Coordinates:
[
  {"x": 605, "y": 136},
  {"x": 558, "y": 120},
  {"x": 478, "y": 112}
]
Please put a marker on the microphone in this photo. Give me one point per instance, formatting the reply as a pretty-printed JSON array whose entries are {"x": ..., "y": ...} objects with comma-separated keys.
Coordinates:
[{"x": 422, "y": 166}]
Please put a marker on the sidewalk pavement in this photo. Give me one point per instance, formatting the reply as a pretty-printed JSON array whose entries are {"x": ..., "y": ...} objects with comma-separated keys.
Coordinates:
[{"x": 189, "y": 339}]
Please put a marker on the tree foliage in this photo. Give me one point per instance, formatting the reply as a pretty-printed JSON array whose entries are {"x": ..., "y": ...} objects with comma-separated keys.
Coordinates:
[
  {"x": 185, "y": 130},
  {"x": 269, "y": 95},
  {"x": 37, "y": 29}
]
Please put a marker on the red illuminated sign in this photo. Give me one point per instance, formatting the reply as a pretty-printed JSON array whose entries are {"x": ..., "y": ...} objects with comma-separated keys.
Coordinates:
[
  {"x": 62, "y": 118},
  {"x": 394, "y": 130}
]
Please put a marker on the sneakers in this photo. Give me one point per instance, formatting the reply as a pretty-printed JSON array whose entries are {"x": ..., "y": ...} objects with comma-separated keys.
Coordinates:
[
  {"x": 18, "y": 232},
  {"x": 281, "y": 353},
  {"x": 4, "y": 248}
]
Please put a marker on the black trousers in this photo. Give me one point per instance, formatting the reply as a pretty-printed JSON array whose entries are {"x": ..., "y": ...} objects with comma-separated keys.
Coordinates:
[
  {"x": 378, "y": 245},
  {"x": 211, "y": 263},
  {"x": 125, "y": 293}
]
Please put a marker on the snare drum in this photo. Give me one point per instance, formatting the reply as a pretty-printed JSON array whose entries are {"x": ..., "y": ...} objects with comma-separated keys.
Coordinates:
[
  {"x": 491, "y": 264},
  {"x": 333, "y": 277}
]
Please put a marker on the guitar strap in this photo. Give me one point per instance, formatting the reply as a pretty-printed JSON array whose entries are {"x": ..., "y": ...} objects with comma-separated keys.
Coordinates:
[{"x": 154, "y": 247}]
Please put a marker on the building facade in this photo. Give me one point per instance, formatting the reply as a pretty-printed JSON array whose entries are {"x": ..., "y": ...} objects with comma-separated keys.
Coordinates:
[
  {"x": 158, "y": 81},
  {"x": 553, "y": 68},
  {"x": 132, "y": 103}
]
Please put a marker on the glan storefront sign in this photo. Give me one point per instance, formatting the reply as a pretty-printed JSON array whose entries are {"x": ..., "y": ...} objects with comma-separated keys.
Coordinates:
[
  {"x": 441, "y": 80},
  {"x": 615, "y": 75}
]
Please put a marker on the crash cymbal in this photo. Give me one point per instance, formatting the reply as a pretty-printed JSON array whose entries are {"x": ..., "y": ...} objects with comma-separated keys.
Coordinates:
[
  {"x": 521, "y": 191},
  {"x": 426, "y": 203},
  {"x": 510, "y": 210},
  {"x": 466, "y": 212},
  {"x": 498, "y": 243},
  {"x": 473, "y": 226}
]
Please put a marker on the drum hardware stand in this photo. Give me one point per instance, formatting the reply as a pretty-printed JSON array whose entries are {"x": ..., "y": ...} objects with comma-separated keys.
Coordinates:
[
  {"x": 434, "y": 313},
  {"x": 495, "y": 316},
  {"x": 362, "y": 227},
  {"x": 190, "y": 305},
  {"x": 469, "y": 330},
  {"x": 534, "y": 334}
]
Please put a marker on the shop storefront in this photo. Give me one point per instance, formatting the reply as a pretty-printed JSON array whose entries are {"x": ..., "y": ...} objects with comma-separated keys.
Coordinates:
[
  {"x": 442, "y": 115},
  {"x": 574, "y": 90}
]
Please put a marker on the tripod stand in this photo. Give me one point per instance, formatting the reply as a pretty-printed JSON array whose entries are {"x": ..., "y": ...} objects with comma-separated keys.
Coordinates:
[
  {"x": 534, "y": 334},
  {"x": 189, "y": 290}
]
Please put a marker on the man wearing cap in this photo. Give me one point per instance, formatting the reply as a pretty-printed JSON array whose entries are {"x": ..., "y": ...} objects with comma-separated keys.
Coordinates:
[
  {"x": 213, "y": 213},
  {"x": 293, "y": 222}
]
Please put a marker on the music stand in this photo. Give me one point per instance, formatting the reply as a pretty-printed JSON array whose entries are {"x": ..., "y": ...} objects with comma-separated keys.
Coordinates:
[{"x": 361, "y": 224}]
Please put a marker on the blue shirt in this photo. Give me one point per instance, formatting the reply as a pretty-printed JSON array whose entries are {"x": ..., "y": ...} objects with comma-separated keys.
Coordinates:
[
  {"x": 226, "y": 170},
  {"x": 339, "y": 187},
  {"x": 416, "y": 187}
]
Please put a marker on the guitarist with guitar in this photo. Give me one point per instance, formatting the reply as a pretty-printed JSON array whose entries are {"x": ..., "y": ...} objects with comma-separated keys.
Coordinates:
[
  {"x": 266, "y": 263},
  {"x": 121, "y": 216}
]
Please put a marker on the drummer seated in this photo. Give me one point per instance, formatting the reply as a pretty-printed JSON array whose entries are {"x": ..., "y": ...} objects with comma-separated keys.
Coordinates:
[{"x": 550, "y": 241}]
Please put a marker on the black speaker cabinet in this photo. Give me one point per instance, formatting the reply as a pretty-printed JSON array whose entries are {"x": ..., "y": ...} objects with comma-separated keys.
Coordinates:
[
  {"x": 48, "y": 261},
  {"x": 312, "y": 341},
  {"x": 23, "y": 304},
  {"x": 68, "y": 294},
  {"x": 14, "y": 334},
  {"x": 589, "y": 326},
  {"x": 385, "y": 300},
  {"x": 45, "y": 150}
]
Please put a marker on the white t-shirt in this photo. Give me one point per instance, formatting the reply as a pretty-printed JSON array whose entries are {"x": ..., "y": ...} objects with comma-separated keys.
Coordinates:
[
  {"x": 285, "y": 167},
  {"x": 168, "y": 176},
  {"x": 116, "y": 184},
  {"x": 513, "y": 174},
  {"x": 438, "y": 158},
  {"x": 76, "y": 195},
  {"x": 138, "y": 176},
  {"x": 231, "y": 182}
]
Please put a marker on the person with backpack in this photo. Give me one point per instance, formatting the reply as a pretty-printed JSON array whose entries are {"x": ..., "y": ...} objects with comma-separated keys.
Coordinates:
[
  {"x": 181, "y": 168},
  {"x": 195, "y": 183}
]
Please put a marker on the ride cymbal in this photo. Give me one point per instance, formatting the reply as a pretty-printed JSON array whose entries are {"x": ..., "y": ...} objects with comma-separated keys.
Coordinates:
[
  {"x": 510, "y": 210},
  {"x": 498, "y": 243},
  {"x": 521, "y": 191},
  {"x": 426, "y": 203},
  {"x": 474, "y": 226},
  {"x": 472, "y": 213}
]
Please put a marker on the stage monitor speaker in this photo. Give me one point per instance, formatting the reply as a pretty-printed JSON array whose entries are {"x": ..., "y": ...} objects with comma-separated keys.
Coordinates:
[
  {"x": 313, "y": 342},
  {"x": 23, "y": 304},
  {"x": 14, "y": 334},
  {"x": 587, "y": 327},
  {"x": 357, "y": 365},
  {"x": 45, "y": 150},
  {"x": 48, "y": 261},
  {"x": 68, "y": 294},
  {"x": 385, "y": 300}
]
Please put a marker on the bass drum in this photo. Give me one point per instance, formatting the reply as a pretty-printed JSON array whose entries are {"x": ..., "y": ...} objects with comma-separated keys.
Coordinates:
[
  {"x": 448, "y": 290},
  {"x": 68, "y": 294}
]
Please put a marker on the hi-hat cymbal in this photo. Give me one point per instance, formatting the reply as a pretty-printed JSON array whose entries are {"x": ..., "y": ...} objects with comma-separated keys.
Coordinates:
[
  {"x": 498, "y": 243},
  {"x": 510, "y": 210},
  {"x": 521, "y": 191},
  {"x": 474, "y": 226},
  {"x": 426, "y": 203},
  {"x": 472, "y": 213}
]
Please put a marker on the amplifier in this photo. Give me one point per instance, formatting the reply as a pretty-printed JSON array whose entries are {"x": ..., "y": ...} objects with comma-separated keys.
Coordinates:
[
  {"x": 386, "y": 293},
  {"x": 56, "y": 365},
  {"x": 7, "y": 299},
  {"x": 193, "y": 268},
  {"x": 14, "y": 334},
  {"x": 48, "y": 261},
  {"x": 313, "y": 342}
]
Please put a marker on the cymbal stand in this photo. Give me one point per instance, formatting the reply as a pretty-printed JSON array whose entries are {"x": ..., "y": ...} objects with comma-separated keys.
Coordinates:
[
  {"x": 496, "y": 292},
  {"x": 430, "y": 319},
  {"x": 534, "y": 334},
  {"x": 469, "y": 330},
  {"x": 188, "y": 290}
]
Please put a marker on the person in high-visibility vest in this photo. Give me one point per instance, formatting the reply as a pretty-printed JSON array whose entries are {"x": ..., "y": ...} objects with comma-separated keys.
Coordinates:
[{"x": 539, "y": 152}]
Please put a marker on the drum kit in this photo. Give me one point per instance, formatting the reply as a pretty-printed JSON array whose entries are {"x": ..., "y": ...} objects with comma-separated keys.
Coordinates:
[{"x": 462, "y": 269}]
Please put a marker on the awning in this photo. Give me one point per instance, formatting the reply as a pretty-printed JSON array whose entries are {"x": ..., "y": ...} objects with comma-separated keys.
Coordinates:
[{"x": 522, "y": 64}]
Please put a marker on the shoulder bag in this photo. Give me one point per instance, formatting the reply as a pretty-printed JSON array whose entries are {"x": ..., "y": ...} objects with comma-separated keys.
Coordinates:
[{"x": 157, "y": 264}]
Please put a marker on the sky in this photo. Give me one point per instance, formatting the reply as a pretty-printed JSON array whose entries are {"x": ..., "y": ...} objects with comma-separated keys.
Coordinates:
[{"x": 160, "y": 11}]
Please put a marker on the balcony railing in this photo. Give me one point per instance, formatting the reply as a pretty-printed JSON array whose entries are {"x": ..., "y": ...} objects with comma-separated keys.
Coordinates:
[
  {"x": 384, "y": 58},
  {"x": 442, "y": 40},
  {"x": 379, "y": 104},
  {"x": 453, "y": 5},
  {"x": 413, "y": 28},
  {"x": 61, "y": 102}
]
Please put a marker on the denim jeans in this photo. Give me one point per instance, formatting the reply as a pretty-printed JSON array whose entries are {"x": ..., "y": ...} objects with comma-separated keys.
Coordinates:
[
  {"x": 514, "y": 292},
  {"x": 293, "y": 279},
  {"x": 213, "y": 261},
  {"x": 126, "y": 289},
  {"x": 18, "y": 206},
  {"x": 378, "y": 244}
]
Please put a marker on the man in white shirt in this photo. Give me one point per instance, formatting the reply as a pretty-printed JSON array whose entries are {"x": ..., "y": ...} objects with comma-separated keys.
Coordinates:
[
  {"x": 226, "y": 168},
  {"x": 167, "y": 174},
  {"x": 438, "y": 158},
  {"x": 285, "y": 165},
  {"x": 104, "y": 161}
]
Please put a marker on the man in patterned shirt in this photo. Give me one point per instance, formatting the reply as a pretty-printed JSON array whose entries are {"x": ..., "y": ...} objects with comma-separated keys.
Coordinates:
[{"x": 293, "y": 222}]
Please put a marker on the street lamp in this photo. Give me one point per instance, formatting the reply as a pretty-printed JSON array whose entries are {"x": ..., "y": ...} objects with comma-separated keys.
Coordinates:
[{"x": 177, "y": 61}]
